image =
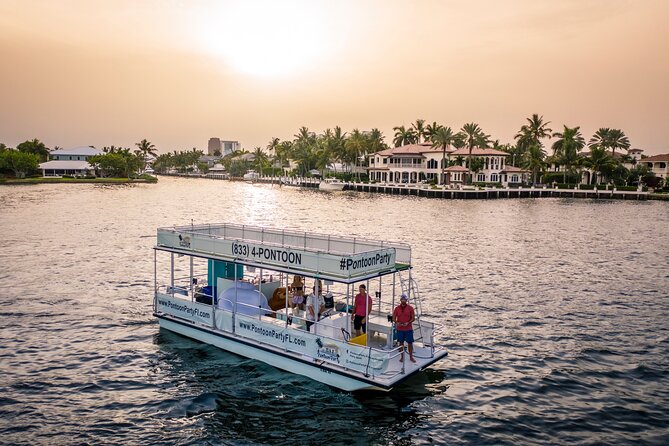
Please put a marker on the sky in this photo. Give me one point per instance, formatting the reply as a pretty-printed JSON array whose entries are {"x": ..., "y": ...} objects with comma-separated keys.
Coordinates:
[{"x": 178, "y": 72}]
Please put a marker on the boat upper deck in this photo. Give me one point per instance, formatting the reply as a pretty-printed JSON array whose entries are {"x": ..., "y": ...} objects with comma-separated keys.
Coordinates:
[{"x": 338, "y": 258}]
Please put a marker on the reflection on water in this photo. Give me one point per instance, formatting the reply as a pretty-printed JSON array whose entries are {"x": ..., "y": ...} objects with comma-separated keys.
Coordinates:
[{"x": 555, "y": 315}]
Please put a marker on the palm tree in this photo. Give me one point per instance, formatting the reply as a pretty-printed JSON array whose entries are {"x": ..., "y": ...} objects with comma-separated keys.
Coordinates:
[
  {"x": 532, "y": 133},
  {"x": 303, "y": 149},
  {"x": 601, "y": 139},
  {"x": 147, "y": 149},
  {"x": 566, "y": 148},
  {"x": 618, "y": 140},
  {"x": 272, "y": 145},
  {"x": 419, "y": 129},
  {"x": 599, "y": 162},
  {"x": 404, "y": 136},
  {"x": 534, "y": 160},
  {"x": 376, "y": 141},
  {"x": 443, "y": 137},
  {"x": 337, "y": 144},
  {"x": 260, "y": 158},
  {"x": 356, "y": 145},
  {"x": 431, "y": 129},
  {"x": 473, "y": 136}
]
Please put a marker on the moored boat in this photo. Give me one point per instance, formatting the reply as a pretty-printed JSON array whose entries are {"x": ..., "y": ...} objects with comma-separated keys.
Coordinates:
[
  {"x": 251, "y": 175},
  {"x": 253, "y": 304},
  {"x": 331, "y": 184}
]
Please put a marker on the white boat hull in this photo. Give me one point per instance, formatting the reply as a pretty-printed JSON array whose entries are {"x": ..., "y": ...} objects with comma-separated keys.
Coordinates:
[
  {"x": 282, "y": 360},
  {"x": 324, "y": 185}
]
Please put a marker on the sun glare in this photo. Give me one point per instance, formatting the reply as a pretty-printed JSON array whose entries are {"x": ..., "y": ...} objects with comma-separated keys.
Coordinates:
[{"x": 267, "y": 38}]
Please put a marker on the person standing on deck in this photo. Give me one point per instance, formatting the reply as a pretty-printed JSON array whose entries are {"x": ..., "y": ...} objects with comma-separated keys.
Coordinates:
[
  {"x": 315, "y": 305},
  {"x": 361, "y": 309},
  {"x": 403, "y": 316}
]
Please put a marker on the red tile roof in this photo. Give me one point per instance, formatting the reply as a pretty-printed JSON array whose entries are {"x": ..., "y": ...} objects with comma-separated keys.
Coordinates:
[
  {"x": 479, "y": 152},
  {"x": 410, "y": 149},
  {"x": 514, "y": 169},
  {"x": 456, "y": 169},
  {"x": 661, "y": 157}
]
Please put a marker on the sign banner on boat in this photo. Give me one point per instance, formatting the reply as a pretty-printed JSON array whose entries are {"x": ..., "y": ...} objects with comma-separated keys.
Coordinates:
[
  {"x": 323, "y": 263},
  {"x": 184, "y": 308},
  {"x": 351, "y": 356}
]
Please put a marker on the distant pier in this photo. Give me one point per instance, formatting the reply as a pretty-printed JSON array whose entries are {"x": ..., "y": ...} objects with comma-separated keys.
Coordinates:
[
  {"x": 494, "y": 193},
  {"x": 422, "y": 190}
]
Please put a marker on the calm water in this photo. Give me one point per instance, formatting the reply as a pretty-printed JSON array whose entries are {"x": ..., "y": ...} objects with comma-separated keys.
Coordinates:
[{"x": 557, "y": 316}]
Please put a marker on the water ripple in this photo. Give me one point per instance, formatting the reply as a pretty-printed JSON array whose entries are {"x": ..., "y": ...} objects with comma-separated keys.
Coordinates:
[{"x": 555, "y": 314}]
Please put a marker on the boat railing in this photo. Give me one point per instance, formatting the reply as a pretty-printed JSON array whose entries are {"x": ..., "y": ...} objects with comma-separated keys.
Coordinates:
[
  {"x": 268, "y": 316},
  {"x": 303, "y": 240},
  {"x": 384, "y": 310}
]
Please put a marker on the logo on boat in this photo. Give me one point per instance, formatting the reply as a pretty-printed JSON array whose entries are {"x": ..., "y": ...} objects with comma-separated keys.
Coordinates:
[
  {"x": 347, "y": 263},
  {"x": 328, "y": 352},
  {"x": 184, "y": 241}
]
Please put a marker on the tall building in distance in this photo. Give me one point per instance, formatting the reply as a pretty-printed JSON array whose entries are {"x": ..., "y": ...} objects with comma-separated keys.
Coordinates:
[{"x": 218, "y": 147}]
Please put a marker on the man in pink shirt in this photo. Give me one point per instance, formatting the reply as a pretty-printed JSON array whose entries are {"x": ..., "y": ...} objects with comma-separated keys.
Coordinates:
[
  {"x": 361, "y": 310},
  {"x": 403, "y": 316}
]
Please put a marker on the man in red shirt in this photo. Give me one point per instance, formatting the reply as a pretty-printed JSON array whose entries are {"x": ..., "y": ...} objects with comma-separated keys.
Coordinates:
[
  {"x": 403, "y": 316},
  {"x": 361, "y": 310}
]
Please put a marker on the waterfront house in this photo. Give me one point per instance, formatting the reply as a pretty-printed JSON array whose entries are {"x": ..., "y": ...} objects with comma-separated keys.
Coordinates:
[
  {"x": 658, "y": 164},
  {"x": 69, "y": 162},
  {"x": 412, "y": 163},
  {"x": 415, "y": 163}
]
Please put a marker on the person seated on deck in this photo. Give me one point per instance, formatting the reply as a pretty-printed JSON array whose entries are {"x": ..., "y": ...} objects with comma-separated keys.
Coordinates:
[
  {"x": 297, "y": 293},
  {"x": 315, "y": 305},
  {"x": 361, "y": 309}
]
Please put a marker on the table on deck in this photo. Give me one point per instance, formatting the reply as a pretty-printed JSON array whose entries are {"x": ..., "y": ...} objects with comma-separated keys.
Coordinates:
[{"x": 380, "y": 324}]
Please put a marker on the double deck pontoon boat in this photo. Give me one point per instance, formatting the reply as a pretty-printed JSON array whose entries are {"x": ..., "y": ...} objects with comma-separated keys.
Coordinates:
[{"x": 252, "y": 304}]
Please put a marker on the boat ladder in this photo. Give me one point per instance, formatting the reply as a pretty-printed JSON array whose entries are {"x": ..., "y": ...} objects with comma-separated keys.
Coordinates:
[{"x": 410, "y": 288}]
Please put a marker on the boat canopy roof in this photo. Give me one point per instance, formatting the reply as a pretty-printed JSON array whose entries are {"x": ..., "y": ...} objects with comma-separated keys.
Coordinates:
[{"x": 337, "y": 258}]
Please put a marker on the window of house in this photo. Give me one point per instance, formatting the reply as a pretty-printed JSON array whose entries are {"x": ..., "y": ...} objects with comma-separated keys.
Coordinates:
[
  {"x": 480, "y": 178},
  {"x": 494, "y": 178},
  {"x": 514, "y": 178},
  {"x": 663, "y": 165},
  {"x": 385, "y": 160},
  {"x": 432, "y": 164}
]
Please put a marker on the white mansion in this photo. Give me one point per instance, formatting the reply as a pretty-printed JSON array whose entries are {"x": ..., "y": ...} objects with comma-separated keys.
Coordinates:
[
  {"x": 414, "y": 163},
  {"x": 69, "y": 162}
]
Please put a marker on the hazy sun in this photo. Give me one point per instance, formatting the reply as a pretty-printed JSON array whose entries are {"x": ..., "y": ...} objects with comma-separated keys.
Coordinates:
[{"x": 266, "y": 38}]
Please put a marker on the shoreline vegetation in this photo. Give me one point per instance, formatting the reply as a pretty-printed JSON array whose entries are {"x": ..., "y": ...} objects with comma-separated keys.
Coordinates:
[
  {"x": 54, "y": 180},
  {"x": 607, "y": 158}
]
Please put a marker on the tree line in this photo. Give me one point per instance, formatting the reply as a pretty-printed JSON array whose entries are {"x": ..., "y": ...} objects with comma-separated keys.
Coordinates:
[
  {"x": 114, "y": 162},
  {"x": 528, "y": 151},
  {"x": 311, "y": 150}
]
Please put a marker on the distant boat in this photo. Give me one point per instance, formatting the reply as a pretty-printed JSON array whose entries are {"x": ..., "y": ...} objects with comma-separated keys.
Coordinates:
[
  {"x": 251, "y": 175},
  {"x": 331, "y": 184}
]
